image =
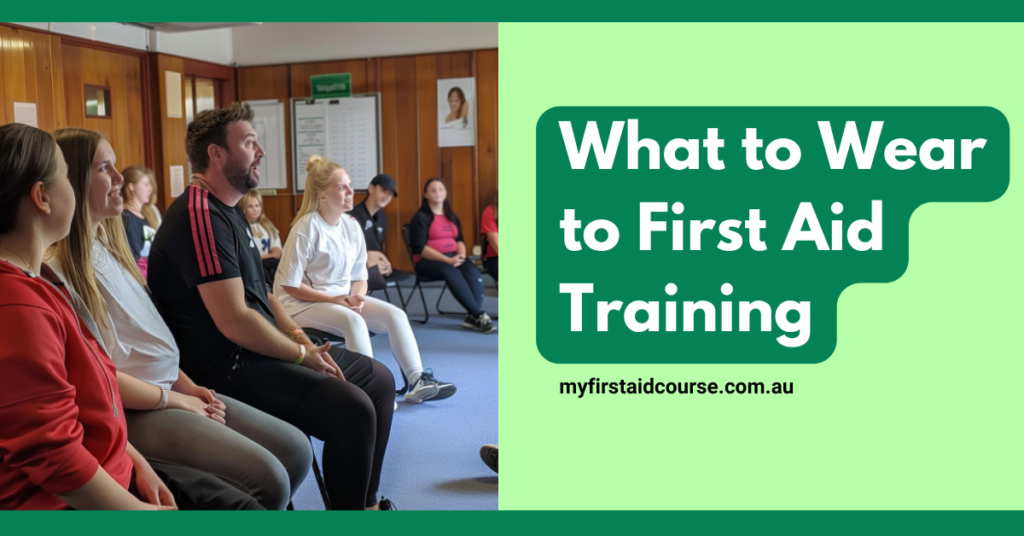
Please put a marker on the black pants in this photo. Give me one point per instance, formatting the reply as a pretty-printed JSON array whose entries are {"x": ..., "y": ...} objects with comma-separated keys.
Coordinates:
[
  {"x": 491, "y": 266},
  {"x": 196, "y": 490},
  {"x": 270, "y": 269},
  {"x": 352, "y": 417},
  {"x": 465, "y": 282}
]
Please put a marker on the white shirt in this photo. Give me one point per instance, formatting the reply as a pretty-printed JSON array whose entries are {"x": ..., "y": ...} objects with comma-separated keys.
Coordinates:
[
  {"x": 326, "y": 257},
  {"x": 263, "y": 240},
  {"x": 139, "y": 342}
]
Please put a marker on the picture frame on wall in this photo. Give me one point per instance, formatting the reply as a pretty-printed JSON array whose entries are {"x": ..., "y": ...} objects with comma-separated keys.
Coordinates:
[{"x": 456, "y": 112}]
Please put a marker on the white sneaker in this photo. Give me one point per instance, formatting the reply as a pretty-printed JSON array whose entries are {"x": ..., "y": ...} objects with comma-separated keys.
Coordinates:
[{"x": 421, "y": 391}]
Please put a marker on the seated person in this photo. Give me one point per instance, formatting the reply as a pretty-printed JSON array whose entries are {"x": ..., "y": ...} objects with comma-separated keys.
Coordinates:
[
  {"x": 63, "y": 437},
  {"x": 268, "y": 238},
  {"x": 137, "y": 191},
  {"x": 435, "y": 236},
  {"x": 169, "y": 417},
  {"x": 150, "y": 209},
  {"x": 489, "y": 228},
  {"x": 321, "y": 281},
  {"x": 374, "y": 223},
  {"x": 207, "y": 281}
]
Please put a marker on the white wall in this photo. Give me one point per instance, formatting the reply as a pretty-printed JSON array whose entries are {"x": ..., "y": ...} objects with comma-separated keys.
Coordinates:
[
  {"x": 113, "y": 33},
  {"x": 294, "y": 42},
  {"x": 213, "y": 46},
  {"x": 289, "y": 42}
]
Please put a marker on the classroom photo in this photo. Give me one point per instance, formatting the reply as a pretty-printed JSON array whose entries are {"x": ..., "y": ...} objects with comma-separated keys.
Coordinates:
[{"x": 248, "y": 266}]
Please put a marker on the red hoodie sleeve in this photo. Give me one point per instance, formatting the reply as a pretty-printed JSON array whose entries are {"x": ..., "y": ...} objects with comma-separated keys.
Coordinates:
[{"x": 39, "y": 429}]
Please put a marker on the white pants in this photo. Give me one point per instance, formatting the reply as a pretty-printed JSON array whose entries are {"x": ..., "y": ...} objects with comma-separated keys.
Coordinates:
[{"x": 379, "y": 316}]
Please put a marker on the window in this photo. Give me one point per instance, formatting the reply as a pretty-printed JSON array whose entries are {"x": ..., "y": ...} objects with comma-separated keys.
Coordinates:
[{"x": 97, "y": 101}]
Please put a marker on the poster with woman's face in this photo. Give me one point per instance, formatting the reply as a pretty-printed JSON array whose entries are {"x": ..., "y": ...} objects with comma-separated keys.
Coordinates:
[{"x": 456, "y": 112}]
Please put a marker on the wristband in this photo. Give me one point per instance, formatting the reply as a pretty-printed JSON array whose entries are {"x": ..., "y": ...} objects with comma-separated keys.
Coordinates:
[
  {"x": 302, "y": 355},
  {"x": 294, "y": 336},
  {"x": 163, "y": 399}
]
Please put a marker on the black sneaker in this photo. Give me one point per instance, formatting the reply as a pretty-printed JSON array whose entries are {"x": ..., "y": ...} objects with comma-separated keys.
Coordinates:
[
  {"x": 489, "y": 454},
  {"x": 444, "y": 389},
  {"x": 481, "y": 323},
  {"x": 386, "y": 504}
]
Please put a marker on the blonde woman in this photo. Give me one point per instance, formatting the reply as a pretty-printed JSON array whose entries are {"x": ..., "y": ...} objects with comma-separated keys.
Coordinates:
[
  {"x": 150, "y": 209},
  {"x": 169, "y": 417},
  {"x": 137, "y": 192},
  {"x": 264, "y": 232},
  {"x": 321, "y": 281}
]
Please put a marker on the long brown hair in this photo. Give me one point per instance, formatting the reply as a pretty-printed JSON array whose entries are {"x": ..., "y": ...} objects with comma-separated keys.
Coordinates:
[
  {"x": 75, "y": 251},
  {"x": 319, "y": 171},
  {"x": 447, "y": 206},
  {"x": 264, "y": 220}
]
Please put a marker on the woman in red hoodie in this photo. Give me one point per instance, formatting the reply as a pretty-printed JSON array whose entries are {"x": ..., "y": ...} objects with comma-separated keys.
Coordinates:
[{"x": 63, "y": 439}]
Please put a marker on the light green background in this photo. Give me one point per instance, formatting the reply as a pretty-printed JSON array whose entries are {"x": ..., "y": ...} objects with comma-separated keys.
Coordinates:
[{"x": 920, "y": 407}]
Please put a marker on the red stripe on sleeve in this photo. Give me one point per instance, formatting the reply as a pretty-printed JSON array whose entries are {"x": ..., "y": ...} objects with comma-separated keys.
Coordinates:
[
  {"x": 209, "y": 229},
  {"x": 195, "y": 230}
]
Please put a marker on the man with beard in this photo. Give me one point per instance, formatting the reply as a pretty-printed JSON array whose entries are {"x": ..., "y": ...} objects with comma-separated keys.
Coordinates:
[{"x": 207, "y": 281}]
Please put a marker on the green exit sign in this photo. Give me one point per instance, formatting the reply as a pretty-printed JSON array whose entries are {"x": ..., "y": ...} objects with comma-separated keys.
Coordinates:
[{"x": 327, "y": 86}]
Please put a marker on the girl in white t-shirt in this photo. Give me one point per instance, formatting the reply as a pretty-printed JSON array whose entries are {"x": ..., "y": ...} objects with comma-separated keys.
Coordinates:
[
  {"x": 268, "y": 238},
  {"x": 321, "y": 280},
  {"x": 169, "y": 418}
]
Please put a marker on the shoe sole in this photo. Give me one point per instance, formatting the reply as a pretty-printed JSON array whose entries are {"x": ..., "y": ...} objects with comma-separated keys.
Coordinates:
[
  {"x": 421, "y": 395},
  {"x": 445, "y": 392},
  {"x": 488, "y": 329}
]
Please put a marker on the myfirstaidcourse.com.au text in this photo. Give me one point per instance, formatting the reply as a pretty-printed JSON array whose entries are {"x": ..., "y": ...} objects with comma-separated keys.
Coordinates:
[{"x": 594, "y": 386}]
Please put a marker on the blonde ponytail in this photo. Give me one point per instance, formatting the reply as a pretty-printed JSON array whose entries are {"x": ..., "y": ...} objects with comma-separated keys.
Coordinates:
[{"x": 319, "y": 171}]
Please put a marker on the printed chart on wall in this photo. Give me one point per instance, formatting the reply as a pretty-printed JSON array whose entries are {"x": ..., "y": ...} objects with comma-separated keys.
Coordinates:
[
  {"x": 345, "y": 130},
  {"x": 269, "y": 124}
]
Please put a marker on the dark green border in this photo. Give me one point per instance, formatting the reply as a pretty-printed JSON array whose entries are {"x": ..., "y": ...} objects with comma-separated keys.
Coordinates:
[
  {"x": 525, "y": 11},
  {"x": 514, "y": 523},
  {"x": 509, "y": 522}
]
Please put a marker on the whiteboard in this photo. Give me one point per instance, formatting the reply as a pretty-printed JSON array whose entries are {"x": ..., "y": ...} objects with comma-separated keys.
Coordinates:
[
  {"x": 270, "y": 131},
  {"x": 346, "y": 130}
]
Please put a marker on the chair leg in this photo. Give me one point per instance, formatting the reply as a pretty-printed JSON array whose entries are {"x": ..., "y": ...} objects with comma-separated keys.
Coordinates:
[
  {"x": 401, "y": 299},
  {"x": 320, "y": 481},
  {"x": 423, "y": 300},
  {"x": 439, "y": 297},
  {"x": 386, "y": 295}
]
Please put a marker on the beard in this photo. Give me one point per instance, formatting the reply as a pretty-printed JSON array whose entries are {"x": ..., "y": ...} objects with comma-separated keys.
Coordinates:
[{"x": 239, "y": 176}]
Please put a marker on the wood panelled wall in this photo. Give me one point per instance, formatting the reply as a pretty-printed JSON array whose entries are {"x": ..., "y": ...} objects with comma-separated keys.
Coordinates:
[
  {"x": 168, "y": 132},
  {"x": 123, "y": 75},
  {"x": 408, "y": 88},
  {"x": 30, "y": 71},
  {"x": 51, "y": 71}
]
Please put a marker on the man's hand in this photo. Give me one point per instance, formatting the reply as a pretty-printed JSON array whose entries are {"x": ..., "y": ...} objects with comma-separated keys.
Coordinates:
[{"x": 318, "y": 359}]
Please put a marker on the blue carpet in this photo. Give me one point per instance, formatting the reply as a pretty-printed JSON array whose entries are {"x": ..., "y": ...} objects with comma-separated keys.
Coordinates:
[{"x": 433, "y": 460}]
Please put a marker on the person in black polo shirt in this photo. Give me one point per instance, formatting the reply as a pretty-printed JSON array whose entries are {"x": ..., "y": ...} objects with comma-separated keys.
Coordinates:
[
  {"x": 208, "y": 284},
  {"x": 374, "y": 223}
]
